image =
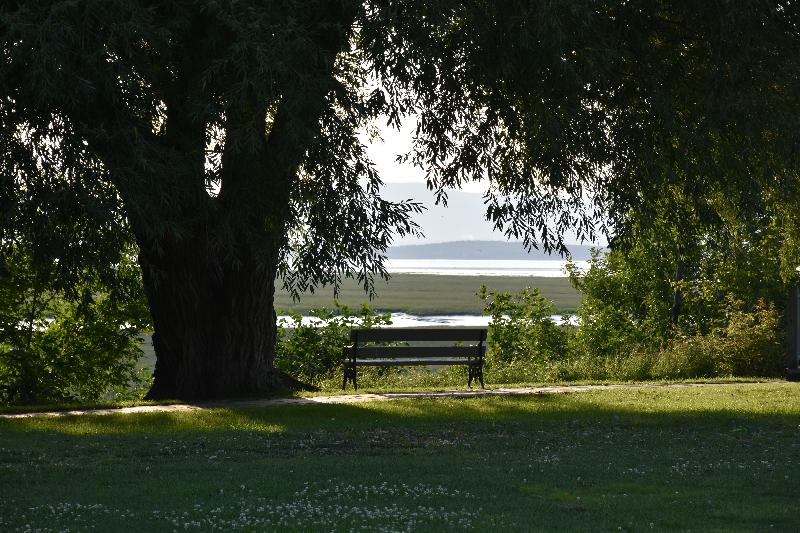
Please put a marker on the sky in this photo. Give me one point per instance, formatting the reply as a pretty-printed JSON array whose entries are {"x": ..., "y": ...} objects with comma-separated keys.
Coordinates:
[
  {"x": 438, "y": 223},
  {"x": 385, "y": 153},
  {"x": 463, "y": 219}
]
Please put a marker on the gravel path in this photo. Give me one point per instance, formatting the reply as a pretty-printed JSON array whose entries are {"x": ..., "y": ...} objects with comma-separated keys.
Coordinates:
[{"x": 358, "y": 398}]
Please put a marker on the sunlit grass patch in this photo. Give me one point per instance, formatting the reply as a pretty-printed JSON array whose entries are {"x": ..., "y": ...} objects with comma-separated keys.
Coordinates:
[{"x": 155, "y": 423}]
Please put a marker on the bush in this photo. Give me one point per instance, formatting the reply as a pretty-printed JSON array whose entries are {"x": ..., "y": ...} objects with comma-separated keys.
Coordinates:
[
  {"x": 312, "y": 352},
  {"x": 526, "y": 345},
  {"x": 635, "y": 366},
  {"x": 687, "y": 358},
  {"x": 522, "y": 328},
  {"x": 751, "y": 344},
  {"x": 723, "y": 328},
  {"x": 56, "y": 346},
  {"x": 624, "y": 307}
]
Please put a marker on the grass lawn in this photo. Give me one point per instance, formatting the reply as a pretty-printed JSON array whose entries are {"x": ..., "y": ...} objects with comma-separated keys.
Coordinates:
[
  {"x": 426, "y": 294},
  {"x": 701, "y": 458}
]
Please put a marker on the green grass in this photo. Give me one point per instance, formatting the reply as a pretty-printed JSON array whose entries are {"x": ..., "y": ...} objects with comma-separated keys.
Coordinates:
[
  {"x": 425, "y": 294},
  {"x": 712, "y": 458}
]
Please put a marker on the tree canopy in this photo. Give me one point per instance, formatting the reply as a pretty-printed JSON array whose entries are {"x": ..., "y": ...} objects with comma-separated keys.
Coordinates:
[{"x": 223, "y": 137}]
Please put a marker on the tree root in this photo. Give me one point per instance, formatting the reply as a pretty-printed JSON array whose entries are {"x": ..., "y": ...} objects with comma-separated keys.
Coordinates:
[{"x": 283, "y": 382}]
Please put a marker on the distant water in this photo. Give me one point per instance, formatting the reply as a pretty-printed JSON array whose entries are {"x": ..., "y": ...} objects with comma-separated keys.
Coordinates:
[
  {"x": 482, "y": 267},
  {"x": 403, "y": 320}
]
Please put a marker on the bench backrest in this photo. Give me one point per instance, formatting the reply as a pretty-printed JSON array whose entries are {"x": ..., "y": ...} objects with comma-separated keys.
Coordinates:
[
  {"x": 358, "y": 336},
  {"x": 471, "y": 344}
]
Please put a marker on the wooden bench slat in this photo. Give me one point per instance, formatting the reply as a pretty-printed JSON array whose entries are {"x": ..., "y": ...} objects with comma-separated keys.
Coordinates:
[
  {"x": 408, "y": 362},
  {"x": 389, "y": 352},
  {"x": 417, "y": 334}
]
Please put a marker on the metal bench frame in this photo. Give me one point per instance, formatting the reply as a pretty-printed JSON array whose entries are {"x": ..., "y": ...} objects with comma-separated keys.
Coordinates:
[{"x": 364, "y": 351}]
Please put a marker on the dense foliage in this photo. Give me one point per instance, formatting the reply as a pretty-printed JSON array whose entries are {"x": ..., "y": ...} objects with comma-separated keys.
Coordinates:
[
  {"x": 224, "y": 138},
  {"x": 745, "y": 343},
  {"x": 672, "y": 274},
  {"x": 719, "y": 317},
  {"x": 78, "y": 345}
]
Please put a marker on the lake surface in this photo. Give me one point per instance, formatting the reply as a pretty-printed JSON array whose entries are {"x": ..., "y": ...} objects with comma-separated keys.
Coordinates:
[
  {"x": 482, "y": 267},
  {"x": 403, "y": 320}
]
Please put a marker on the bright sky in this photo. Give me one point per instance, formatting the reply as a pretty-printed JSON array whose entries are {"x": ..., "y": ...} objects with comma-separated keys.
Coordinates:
[
  {"x": 459, "y": 222},
  {"x": 438, "y": 223},
  {"x": 385, "y": 153}
]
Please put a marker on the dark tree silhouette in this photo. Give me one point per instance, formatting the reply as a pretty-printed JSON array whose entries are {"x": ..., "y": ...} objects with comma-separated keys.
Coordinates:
[{"x": 223, "y": 139}]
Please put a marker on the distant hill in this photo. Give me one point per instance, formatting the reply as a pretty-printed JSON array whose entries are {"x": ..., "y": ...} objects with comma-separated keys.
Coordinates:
[{"x": 480, "y": 250}]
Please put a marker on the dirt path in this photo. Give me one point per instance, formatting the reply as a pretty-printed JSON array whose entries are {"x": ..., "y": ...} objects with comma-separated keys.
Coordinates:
[{"x": 358, "y": 398}]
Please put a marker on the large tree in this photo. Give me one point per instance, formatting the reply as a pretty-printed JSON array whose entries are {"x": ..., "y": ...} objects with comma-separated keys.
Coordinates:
[{"x": 225, "y": 137}]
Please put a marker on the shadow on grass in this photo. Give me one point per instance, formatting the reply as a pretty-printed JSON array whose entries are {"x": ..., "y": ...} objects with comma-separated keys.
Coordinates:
[{"x": 772, "y": 404}]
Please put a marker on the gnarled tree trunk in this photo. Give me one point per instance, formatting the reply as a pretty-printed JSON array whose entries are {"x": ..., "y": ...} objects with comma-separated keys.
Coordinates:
[
  {"x": 215, "y": 324},
  {"x": 210, "y": 277}
]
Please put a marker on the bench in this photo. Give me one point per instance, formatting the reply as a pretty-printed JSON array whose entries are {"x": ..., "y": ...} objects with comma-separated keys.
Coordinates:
[{"x": 368, "y": 348}]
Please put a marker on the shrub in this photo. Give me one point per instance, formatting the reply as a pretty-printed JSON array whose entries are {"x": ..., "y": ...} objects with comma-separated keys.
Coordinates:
[
  {"x": 522, "y": 328},
  {"x": 636, "y": 366},
  {"x": 525, "y": 344},
  {"x": 56, "y": 346},
  {"x": 686, "y": 358},
  {"x": 751, "y": 343},
  {"x": 624, "y": 306},
  {"x": 748, "y": 344},
  {"x": 312, "y": 351}
]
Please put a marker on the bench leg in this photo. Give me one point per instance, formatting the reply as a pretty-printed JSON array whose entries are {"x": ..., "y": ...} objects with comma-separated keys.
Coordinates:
[
  {"x": 475, "y": 373},
  {"x": 349, "y": 375}
]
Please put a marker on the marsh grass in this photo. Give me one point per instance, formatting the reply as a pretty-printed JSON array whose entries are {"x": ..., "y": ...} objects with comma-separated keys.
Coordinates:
[
  {"x": 425, "y": 294},
  {"x": 700, "y": 458}
]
